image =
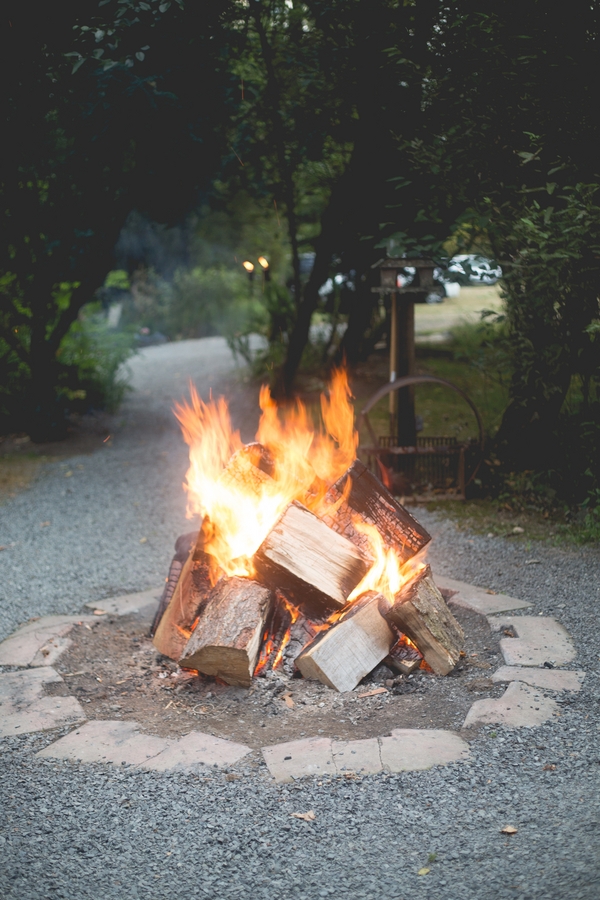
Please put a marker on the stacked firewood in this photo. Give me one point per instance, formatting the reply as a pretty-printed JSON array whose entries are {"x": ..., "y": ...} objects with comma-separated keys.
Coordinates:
[{"x": 305, "y": 570}]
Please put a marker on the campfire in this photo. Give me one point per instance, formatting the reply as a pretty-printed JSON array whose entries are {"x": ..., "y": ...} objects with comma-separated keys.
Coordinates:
[{"x": 303, "y": 563}]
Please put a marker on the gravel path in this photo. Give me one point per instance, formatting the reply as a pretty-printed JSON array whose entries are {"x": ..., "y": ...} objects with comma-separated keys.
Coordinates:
[{"x": 72, "y": 831}]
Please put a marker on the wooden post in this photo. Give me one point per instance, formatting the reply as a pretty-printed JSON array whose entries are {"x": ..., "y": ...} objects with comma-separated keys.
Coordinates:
[{"x": 405, "y": 365}]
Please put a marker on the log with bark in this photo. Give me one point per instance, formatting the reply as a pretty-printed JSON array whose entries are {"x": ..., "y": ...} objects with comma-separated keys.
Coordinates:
[
  {"x": 351, "y": 648},
  {"x": 302, "y": 556},
  {"x": 184, "y": 544},
  {"x": 187, "y": 598},
  {"x": 227, "y": 638},
  {"x": 420, "y": 612},
  {"x": 359, "y": 496}
]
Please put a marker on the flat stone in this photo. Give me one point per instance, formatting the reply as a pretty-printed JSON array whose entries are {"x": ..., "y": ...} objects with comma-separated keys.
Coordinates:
[
  {"x": 42, "y": 715},
  {"x": 23, "y": 687},
  {"x": 40, "y": 643},
  {"x": 548, "y": 679},
  {"x": 109, "y": 741},
  {"x": 362, "y": 757},
  {"x": 412, "y": 749},
  {"x": 196, "y": 749},
  {"x": 520, "y": 706},
  {"x": 539, "y": 639},
  {"x": 127, "y": 604},
  {"x": 296, "y": 759},
  {"x": 24, "y": 709},
  {"x": 121, "y": 742},
  {"x": 472, "y": 597}
]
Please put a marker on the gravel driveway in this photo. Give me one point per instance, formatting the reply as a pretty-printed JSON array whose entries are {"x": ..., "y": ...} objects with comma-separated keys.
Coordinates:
[{"x": 71, "y": 831}]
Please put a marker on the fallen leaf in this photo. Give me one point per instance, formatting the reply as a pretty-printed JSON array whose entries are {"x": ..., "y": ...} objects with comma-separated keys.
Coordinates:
[
  {"x": 509, "y": 829},
  {"x": 231, "y": 777},
  {"x": 379, "y": 690},
  {"x": 549, "y": 768},
  {"x": 68, "y": 474},
  {"x": 144, "y": 540},
  {"x": 518, "y": 530},
  {"x": 100, "y": 612},
  {"x": 44, "y": 524},
  {"x": 424, "y": 871},
  {"x": 288, "y": 701},
  {"x": 307, "y": 816},
  {"x": 490, "y": 591}
]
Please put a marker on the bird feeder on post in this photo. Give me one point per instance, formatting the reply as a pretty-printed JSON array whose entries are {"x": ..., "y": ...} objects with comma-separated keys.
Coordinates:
[{"x": 392, "y": 273}]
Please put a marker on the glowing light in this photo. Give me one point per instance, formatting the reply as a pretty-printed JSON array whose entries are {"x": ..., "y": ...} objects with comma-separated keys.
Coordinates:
[
  {"x": 264, "y": 262},
  {"x": 249, "y": 267}
]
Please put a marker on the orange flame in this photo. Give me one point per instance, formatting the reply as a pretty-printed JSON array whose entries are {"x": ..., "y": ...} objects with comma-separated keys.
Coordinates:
[
  {"x": 238, "y": 501},
  {"x": 388, "y": 573}
]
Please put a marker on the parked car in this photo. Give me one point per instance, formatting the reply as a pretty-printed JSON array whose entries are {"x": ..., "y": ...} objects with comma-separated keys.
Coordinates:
[{"x": 471, "y": 268}]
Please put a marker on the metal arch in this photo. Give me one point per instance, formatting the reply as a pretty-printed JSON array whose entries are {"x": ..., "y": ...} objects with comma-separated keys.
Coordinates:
[{"x": 407, "y": 381}]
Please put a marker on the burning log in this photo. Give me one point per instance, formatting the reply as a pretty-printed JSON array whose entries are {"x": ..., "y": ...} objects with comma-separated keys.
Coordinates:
[
  {"x": 227, "y": 639},
  {"x": 251, "y": 467},
  {"x": 305, "y": 558},
  {"x": 358, "y": 496},
  {"x": 183, "y": 601},
  {"x": 419, "y": 611},
  {"x": 341, "y": 656}
]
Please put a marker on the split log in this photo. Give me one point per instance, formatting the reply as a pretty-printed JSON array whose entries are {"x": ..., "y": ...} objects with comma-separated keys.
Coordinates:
[
  {"x": 184, "y": 544},
  {"x": 341, "y": 656},
  {"x": 186, "y": 602},
  {"x": 419, "y": 611},
  {"x": 403, "y": 659},
  {"x": 305, "y": 558},
  {"x": 227, "y": 638},
  {"x": 359, "y": 495}
]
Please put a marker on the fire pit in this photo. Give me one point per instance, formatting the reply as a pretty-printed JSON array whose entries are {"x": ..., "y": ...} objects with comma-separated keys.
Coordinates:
[{"x": 304, "y": 563}]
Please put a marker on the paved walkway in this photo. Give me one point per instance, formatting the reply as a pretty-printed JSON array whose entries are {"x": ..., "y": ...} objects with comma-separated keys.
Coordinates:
[{"x": 119, "y": 828}]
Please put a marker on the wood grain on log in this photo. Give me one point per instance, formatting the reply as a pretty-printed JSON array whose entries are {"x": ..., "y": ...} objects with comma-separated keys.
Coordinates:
[
  {"x": 305, "y": 558},
  {"x": 341, "y": 656},
  {"x": 227, "y": 639},
  {"x": 420, "y": 612},
  {"x": 367, "y": 500},
  {"x": 187, "y": 601}
]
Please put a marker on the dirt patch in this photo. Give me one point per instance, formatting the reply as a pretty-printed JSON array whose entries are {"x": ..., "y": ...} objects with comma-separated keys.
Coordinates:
[{"x": 115, "y": 672}]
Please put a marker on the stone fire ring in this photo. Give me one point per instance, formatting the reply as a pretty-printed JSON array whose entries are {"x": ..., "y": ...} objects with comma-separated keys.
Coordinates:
[{"x": 527, "y": 702}]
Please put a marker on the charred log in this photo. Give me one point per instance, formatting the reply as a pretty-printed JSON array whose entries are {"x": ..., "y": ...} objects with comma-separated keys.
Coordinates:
[
  {"x": 359, "y": 496},
  {"x": 419, "y": 611}
]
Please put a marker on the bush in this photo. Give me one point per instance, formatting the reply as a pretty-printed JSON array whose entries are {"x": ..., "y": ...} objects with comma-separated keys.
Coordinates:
[{"x": 93, "y": 357}]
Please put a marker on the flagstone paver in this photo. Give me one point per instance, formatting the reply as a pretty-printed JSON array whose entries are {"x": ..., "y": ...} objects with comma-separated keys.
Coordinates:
[
  {"x": 540, "y": 639},
  {"x": 296, "y": 759},
  {"x": 548, "y": 679},
  {"x": 41, "y": 642},
  {"x": 411, "y": 749},
  {"x": 122, "y": 743},
  {"x": 362, "y": 757},
  {"x": 24, "y": 708},
  {"x": 520, "y": 706},
  {"x": 477, "y": 598},
  {"x": 127, "y": 604},
  {"x": 105, "y": 740},
  {"x": 198, "y": 749}
]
